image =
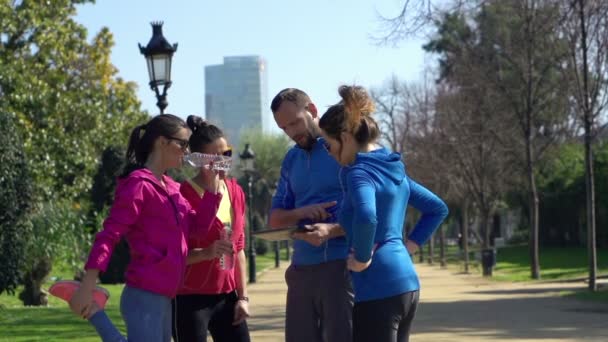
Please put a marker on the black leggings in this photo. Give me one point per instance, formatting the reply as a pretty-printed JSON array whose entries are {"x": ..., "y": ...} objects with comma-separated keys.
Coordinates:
[
  {"x": 194, "y": 314},
  {"x": 385, "y": 320}
]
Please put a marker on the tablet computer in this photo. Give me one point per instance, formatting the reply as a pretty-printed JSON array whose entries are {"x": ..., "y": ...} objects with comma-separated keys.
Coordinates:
[{"x": 278, "y": 234}]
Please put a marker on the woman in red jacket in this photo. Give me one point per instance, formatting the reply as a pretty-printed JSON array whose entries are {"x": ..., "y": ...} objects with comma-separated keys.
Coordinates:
[{"x": 214, "y": 294}]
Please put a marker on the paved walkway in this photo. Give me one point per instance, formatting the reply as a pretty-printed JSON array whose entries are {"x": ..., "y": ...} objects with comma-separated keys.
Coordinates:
[
  {"x": 267, "y": 305},
  {"x": 456, "y": 307}
]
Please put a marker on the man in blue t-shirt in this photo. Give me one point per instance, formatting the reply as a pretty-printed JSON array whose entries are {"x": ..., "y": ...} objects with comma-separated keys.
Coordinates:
[{"x": 319, "y": 295}]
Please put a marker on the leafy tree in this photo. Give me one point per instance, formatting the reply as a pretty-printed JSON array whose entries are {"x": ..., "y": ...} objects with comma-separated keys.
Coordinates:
[
  {"x": 586, "y": 29},
  {"x": 66, "y": 97},
  {"x": 516, "y": 48},
  {"x": 102, "y": 196},
  {"x": 562, "y": 194},
  {"x": 15, "y": 191},
  {"x": 64, "y": 92},
  {"x": 57, "y": 236},
  {"x": 270, "y": 149}
]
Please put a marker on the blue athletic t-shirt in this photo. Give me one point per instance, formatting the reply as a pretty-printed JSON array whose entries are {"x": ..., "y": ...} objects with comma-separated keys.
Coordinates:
[{"x": 311, "y": 177}]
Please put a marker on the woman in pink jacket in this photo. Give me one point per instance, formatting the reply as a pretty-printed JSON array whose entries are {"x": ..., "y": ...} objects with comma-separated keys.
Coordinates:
[{"x": 153, "y": 216}]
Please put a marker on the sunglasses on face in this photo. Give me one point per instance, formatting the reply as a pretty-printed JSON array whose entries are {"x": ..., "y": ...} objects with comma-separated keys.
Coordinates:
[
  {"x": 228, "y": 152},
  {"x": 183, "y": 144}
]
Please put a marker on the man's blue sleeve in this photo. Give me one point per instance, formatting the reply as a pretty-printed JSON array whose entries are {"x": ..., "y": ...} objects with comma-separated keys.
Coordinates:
[
  {"x": 283, "y": 197},
  {"x": 433, "y": 211},
  {"x": 362, "y": 193}
]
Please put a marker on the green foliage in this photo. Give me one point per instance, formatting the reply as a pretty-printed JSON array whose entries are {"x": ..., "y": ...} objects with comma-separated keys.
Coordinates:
[
  {"x": 561, "y": 187},
  {"x": 68, "y": 104},
  {"x": 104, "y": 181},
  {"x": 64, "y": 92},
  {"x": 269, "y": 149},
  {"x": 102, "y": 196},
  {"x": 600, "y": 168},
  {"x": 561, "y": 183},
  {"x": 16, "y": 195},
  {"x": 269, "y": 152},
  {"x": 58, "y": 234}
]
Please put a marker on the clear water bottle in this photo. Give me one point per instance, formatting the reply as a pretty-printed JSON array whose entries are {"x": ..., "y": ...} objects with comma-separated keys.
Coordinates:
[
  {"x": 222, "y": 163},
  {"x": 197, "y": 159},
  {"x": 227, "y": 260}
]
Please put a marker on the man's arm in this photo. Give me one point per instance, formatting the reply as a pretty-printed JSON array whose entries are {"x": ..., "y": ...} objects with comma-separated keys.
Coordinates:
[
  {"x": 290, "y": 217},
  {"x": 283, "y": 218}
]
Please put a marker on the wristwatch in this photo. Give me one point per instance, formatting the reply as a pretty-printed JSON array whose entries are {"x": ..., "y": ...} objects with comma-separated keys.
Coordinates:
[{"x": 244, "y": 298}]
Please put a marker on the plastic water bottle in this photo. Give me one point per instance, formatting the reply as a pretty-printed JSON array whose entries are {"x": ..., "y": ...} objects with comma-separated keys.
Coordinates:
[
  {"x": 227, "y": 260},
  {"x": 197, "y": 159}
]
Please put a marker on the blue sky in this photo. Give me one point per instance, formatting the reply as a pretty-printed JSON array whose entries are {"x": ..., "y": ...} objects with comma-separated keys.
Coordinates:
[{"x": 315, "y": 45}]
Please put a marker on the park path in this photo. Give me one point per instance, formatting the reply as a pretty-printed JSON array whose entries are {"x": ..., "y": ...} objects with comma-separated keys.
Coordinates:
[{"x": 458, "y": 307}]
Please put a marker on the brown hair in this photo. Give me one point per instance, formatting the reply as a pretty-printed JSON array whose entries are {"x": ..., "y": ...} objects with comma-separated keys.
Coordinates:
[
  {"x": 353, "y": 115},
  {"x": 141, "y": 142},
  {"x": 203, "y": 133},
  {"x": 294, "y": 95}
]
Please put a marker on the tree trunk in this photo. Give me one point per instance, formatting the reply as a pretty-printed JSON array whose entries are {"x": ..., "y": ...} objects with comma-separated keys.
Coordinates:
[
  {"x": 32, "y": 294},
  {"x": 431, "y": 249},
  {"x": 421, "y": 254},
  {"x": 465, "y": 234},
  {"x": 485, "y": 228},
  {"x": 591, "y": 234},
  {"x": 442, "y": 247},
  {"x": 533, "y": 193},
  {"x": 589, "y": 181}
]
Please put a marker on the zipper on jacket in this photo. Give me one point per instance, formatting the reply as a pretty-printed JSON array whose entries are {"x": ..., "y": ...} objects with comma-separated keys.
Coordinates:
[{"x": 174, "y": 209}]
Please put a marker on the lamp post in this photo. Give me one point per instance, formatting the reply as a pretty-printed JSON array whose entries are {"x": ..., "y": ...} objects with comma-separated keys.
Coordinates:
[
  {"x": 158, "y": 55},
  {"x": 248, "y": 159}
]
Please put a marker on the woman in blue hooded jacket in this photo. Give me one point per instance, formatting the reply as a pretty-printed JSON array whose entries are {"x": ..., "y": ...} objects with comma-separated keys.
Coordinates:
[{"x": 376, "y": 194}]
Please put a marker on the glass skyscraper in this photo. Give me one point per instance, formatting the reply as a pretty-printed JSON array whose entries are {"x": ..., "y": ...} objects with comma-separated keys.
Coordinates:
[{"x": 236, "y": 95}]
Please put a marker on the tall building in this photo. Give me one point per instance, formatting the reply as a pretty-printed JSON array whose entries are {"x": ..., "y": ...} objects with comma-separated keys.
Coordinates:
[{"x": 236, "y": 95}]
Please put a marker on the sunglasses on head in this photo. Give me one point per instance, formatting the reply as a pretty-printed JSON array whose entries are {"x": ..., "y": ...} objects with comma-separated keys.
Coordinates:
[{"x": 183, "y": 143}]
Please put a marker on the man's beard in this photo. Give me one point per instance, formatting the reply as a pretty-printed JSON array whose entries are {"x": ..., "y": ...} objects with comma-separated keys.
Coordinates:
[{"x": 309, "y": 141}]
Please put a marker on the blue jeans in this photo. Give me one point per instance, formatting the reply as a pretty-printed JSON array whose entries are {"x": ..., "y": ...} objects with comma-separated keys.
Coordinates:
[{"x": 146, "y": 314}]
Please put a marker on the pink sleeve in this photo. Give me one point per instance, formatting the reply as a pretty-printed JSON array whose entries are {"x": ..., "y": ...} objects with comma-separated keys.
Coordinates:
[{"x": 128, "y": 202}]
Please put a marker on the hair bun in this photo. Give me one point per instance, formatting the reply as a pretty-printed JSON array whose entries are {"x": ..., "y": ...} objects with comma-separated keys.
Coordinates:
[
  {"x": 195, "y": 122},
  {"x": 357, "y": 104}
]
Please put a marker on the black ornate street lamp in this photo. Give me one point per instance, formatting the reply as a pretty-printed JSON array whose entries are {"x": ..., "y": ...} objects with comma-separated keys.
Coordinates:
[
  {"x": 158, "y": 55},
  {"x": 247, "y": 157}
]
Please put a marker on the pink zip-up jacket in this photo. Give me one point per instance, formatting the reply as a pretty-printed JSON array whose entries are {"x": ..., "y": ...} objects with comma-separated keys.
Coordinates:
[{"x": 155, "y": 223}]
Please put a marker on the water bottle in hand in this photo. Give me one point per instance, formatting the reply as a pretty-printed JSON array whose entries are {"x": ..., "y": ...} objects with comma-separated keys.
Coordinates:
[
  {"x": 227, "y": 260},
  {"x": 197, "y": 159}
]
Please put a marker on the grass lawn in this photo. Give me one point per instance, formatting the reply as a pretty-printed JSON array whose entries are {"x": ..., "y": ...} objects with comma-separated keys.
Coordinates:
[
  {"x": 57, "y": 323},
  {"x": 513, "y": 263},
  {"x": 599, "y": 296},
  {"x": 556, "y": 264}
]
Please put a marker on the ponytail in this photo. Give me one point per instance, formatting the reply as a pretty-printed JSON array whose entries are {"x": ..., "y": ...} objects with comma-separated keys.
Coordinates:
[{"x": 141, "y": 141}]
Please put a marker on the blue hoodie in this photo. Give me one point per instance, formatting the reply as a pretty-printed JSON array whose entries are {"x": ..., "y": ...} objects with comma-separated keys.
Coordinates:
[{"x": 377, "y": 192}]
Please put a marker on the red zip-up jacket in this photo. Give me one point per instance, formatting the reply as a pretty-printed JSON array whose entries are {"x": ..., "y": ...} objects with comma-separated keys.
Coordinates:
[{"x": 206, "y": 277}]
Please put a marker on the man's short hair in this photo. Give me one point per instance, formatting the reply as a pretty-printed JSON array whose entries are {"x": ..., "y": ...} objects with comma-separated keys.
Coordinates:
[{"x": 294, "y": 95}]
